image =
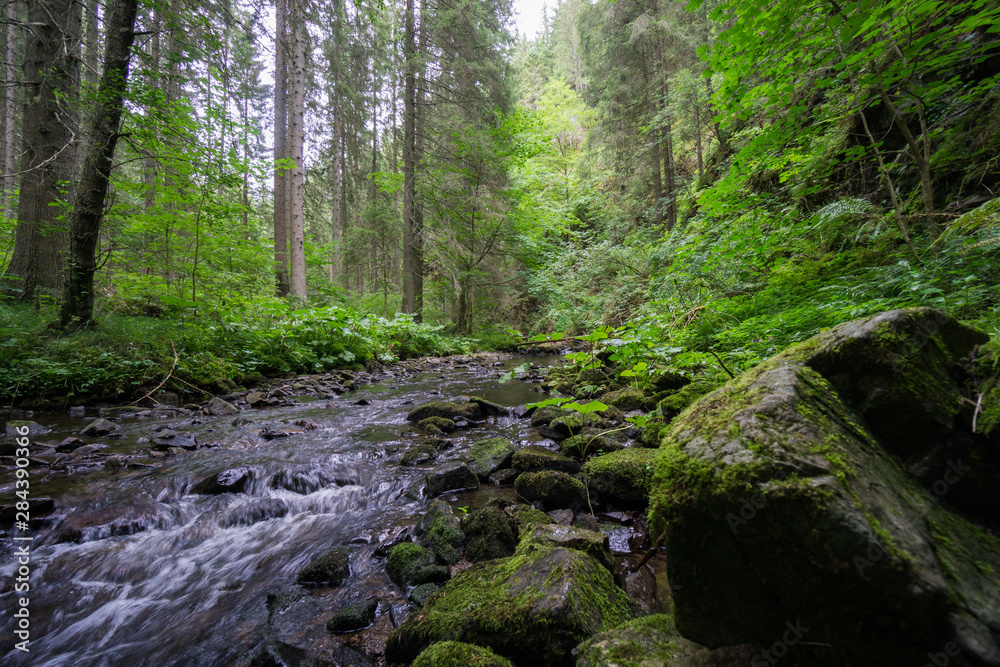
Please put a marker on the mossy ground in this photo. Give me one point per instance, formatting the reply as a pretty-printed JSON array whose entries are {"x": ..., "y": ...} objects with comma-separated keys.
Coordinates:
[{"x": 457, "y": 654}]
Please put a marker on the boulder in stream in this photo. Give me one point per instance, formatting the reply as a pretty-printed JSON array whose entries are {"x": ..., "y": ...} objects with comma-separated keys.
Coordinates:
[
  {"x": 220, "y": 408},
  {"x": 328, "y": 569},
  {"x": 446, "y": 409},
  {"x": 624, "y": 477},
  {"x": 788, "y": 496},
  {"x": 547, "y": 536},
  {"x": 233, "y": 480},
  {"x": 488, "y": 456},
  {"x": 99, "y": 427},
  {"x": 489, "y": 533},
  {"x": 410, "y": 564},
  {"x": 551, "y": 489},
  {"x": 353, "y": 616},
  {"x": 451, "y": 476},
  {"x": 532, "y": 608},
  {"x": 535, "y": 457},
  {"x": 436, "y": 425},
  {"x": 17, "y": 428}
]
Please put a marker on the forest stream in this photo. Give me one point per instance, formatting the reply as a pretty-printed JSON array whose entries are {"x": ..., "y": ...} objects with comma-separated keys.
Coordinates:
[{"x": 132, "y": 566}]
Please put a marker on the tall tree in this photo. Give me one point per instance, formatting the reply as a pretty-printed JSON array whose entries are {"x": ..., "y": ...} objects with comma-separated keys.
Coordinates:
[
  {"x": 296, "y": 118},
  {"x": 52, "y": 76},
  {"x": 103, "y": 133},
  {"x": 281, "y": 180},
  {"x": 9, "y": 108},
  {"x": 412, "y": 227}
]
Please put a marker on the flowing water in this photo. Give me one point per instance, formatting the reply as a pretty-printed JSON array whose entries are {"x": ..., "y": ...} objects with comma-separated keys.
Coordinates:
[{"x": 132, "y": 568}]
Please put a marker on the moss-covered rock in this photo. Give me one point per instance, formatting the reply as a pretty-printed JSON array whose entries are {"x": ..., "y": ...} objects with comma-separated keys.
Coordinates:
[
  {"x": 571, "y": 423},
  {"x": 547, "y": 536},
  {"x": 410, "y": 564},
  {"x": 420, "y": 594},
  {"x": 535, "y": 457},
  {"x": 436, "y": 425},
  {"x": 488, "y": 408},
  {"x": 551, "y": 489},
  {"x": 488, "y": 456},
  {"x": 445, "y": 539},
  {"x": 327, "y": 569},
  {"x": 778, "y": 504},
  {"x": 445, "y": 409},
  {"x": 629, "y": 398},
  {"x": 532, "y": 608},
  {"x": 418, "y": 455},
  {"x": 457, "y": 654},
  {"x": 625, "y": 476},
  {"x": 489, "y": 533},
  {"x": 650, "y": 641},
  {"x": 651, "y": 433},
  {"x": 451, "y": 476},
  {"x": 667, "y": 380},
  {"x": 526, "y": 515},
  {"x": 585, "y": 446},
  {"x": 353, "y": 617},
  {"x": 679, "y": 400}
]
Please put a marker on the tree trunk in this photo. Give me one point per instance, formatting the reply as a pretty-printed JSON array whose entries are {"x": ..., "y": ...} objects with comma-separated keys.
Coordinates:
[
  {"x": 297, "y": 79},
  {"x": 149, "y": 163},
  {"x": 409, "y": 163},
  {"x": 85, "y": 222},
  {"x": 48, "y": 135},
  {"x": 280, "y": 150},
  {"x": 697, "y": 140},
  {"x": 90, "y": 73},
  {"x": 654, "y": 154},
  {"x": 9, "y": 111}
]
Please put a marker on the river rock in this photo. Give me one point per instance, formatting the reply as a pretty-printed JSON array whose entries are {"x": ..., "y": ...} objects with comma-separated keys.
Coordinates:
[
  {"x": 443, "y": 534},
  {"x": 69, "y": 444},
  {"x": 531, "y": 608},
  {"x": 220, "y": 408},
  {"x": 410, "y": 564},
  {"x": 436, "y": 425},
  {"x": 624, "y": 477},
  {"x": 587, "y": 445},
  {"x": 234, "y": 480},
  {"x": 451, "y": 476},
  {"x": 99, "y": 427},
  {"x": 353, "y": 617},
  {"x": 489, "y": 533},
  {"x": 420, "y": 594},
  {"x": 551, "y": 489},
  {"x": 418, "y": 455},
  {"x": 254, "y": 397},
  {"x": 545, "y": 536},
  {"x": 327, "y": 569},
  {"x": 535, "y": 457},
  {"x": 781, "y": 507},
  {"x": 15, "y": 428},
  {"x": 488, "y": 456},
  {"x": 445, "y": 409},
  {"x": 457, "y": 654},
  {"x": 488, "y": 408},
  {"x": 625, "y": 399}
]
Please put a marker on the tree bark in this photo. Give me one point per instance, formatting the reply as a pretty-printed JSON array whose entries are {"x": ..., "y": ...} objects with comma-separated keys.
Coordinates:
[
  {"x": 52, "y": 73},
  {"x": 85, "y": 222},
  {"x": 297, "y": 79},
  {"x": 280, "y": 150},
  {"x": 9, "y": 111},
  {"x": 409, "y": 163}
]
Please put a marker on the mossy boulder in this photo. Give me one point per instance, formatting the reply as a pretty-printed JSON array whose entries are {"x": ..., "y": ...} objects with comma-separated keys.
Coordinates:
[
  {"x": 679, "y": 400},
  {"x": 532, "y": 608},
  {"x": 535, "y": 457},
  {"x": 436, "y": 425},
  {"x": 779, "y": 505},
  {"x": 650, "y": 641},
  {"x": 629, "y": 398},
  {"x": 571, "y": 423},
  {"x": 418, "y": 455},
  {"x": 667, "y": 380},
  {"x": 526, "y": 516},
  {"x": 328, "y": 569},
  {"x": 437, "y": 508},
  {"x": 451, "y": 476},
  {"x": 446, "y": 410},
  {"x": 489, "y": 533},
  {"x": 551, "y": 489},
  {"x": 584, "y": 446},
  {"x": 547, "y": 536},
  {"x": 410, "y": 564},
  {"x": 353, "y": 617},
  {"x": 420, "y": 594},
  {"x": 444, "y": 537},
  {"x": 651, "y": 433},
  {"x": 624, "y": 477},
  {"x": 488, "y": 456},
  {"x": 457, "y": 654},
  {"x": 16, "y": 428},
  {"x": 488, "y": 408}
]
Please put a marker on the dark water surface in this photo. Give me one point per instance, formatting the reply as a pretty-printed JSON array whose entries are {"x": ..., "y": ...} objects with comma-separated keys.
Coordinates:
[{"x": 135, "y": 569}]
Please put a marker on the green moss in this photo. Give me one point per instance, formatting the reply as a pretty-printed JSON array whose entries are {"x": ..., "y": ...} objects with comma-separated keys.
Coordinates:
[
  {"x": 353, "y": 617},
  {"x": 533, "y": 607},
  {"x": 551, "y": 488},
  {"x": 330, "y": 568},
  {"x": 626, "y": 399},
  {"x": 680, "y": 399},
  {"x": 625, "y": 475},
  {"x": 411, "y": 564},
  {"x": 457, "y": 654},
  {"x": 526, "y": 516},
  {"x": 446, "y": 410},
  {"x": 436, "y": 425},
  {"x": 488, "y": 456},
  {"x": 489, "y": 533},
  {"x": 643, "y": 642},
  {"x": 445, "y": 539}
]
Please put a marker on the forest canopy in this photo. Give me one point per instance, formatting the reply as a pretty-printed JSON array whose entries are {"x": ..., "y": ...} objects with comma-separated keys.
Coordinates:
[{"x": 235, "y": 189}]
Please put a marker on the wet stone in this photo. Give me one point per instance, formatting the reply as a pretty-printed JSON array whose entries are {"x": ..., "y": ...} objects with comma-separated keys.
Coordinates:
[
  {"x": 419, "y": 455},
  {"x": 227, "y": 481},
  {"x": 353, "y": 617},
  {"x": 419, "y": 594},
  {"x": 327, "y": 569},
  {"x": 219, "y": 407},
  {"x": 99, "y": 427},
  {"x": 451, "y": 476}
]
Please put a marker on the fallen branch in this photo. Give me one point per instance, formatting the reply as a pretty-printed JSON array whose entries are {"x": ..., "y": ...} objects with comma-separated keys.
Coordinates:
[
  {"x": 651, "y": 552},
  {"x": 717, "y": 358},
  {"x": 157, "y": 387}
]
